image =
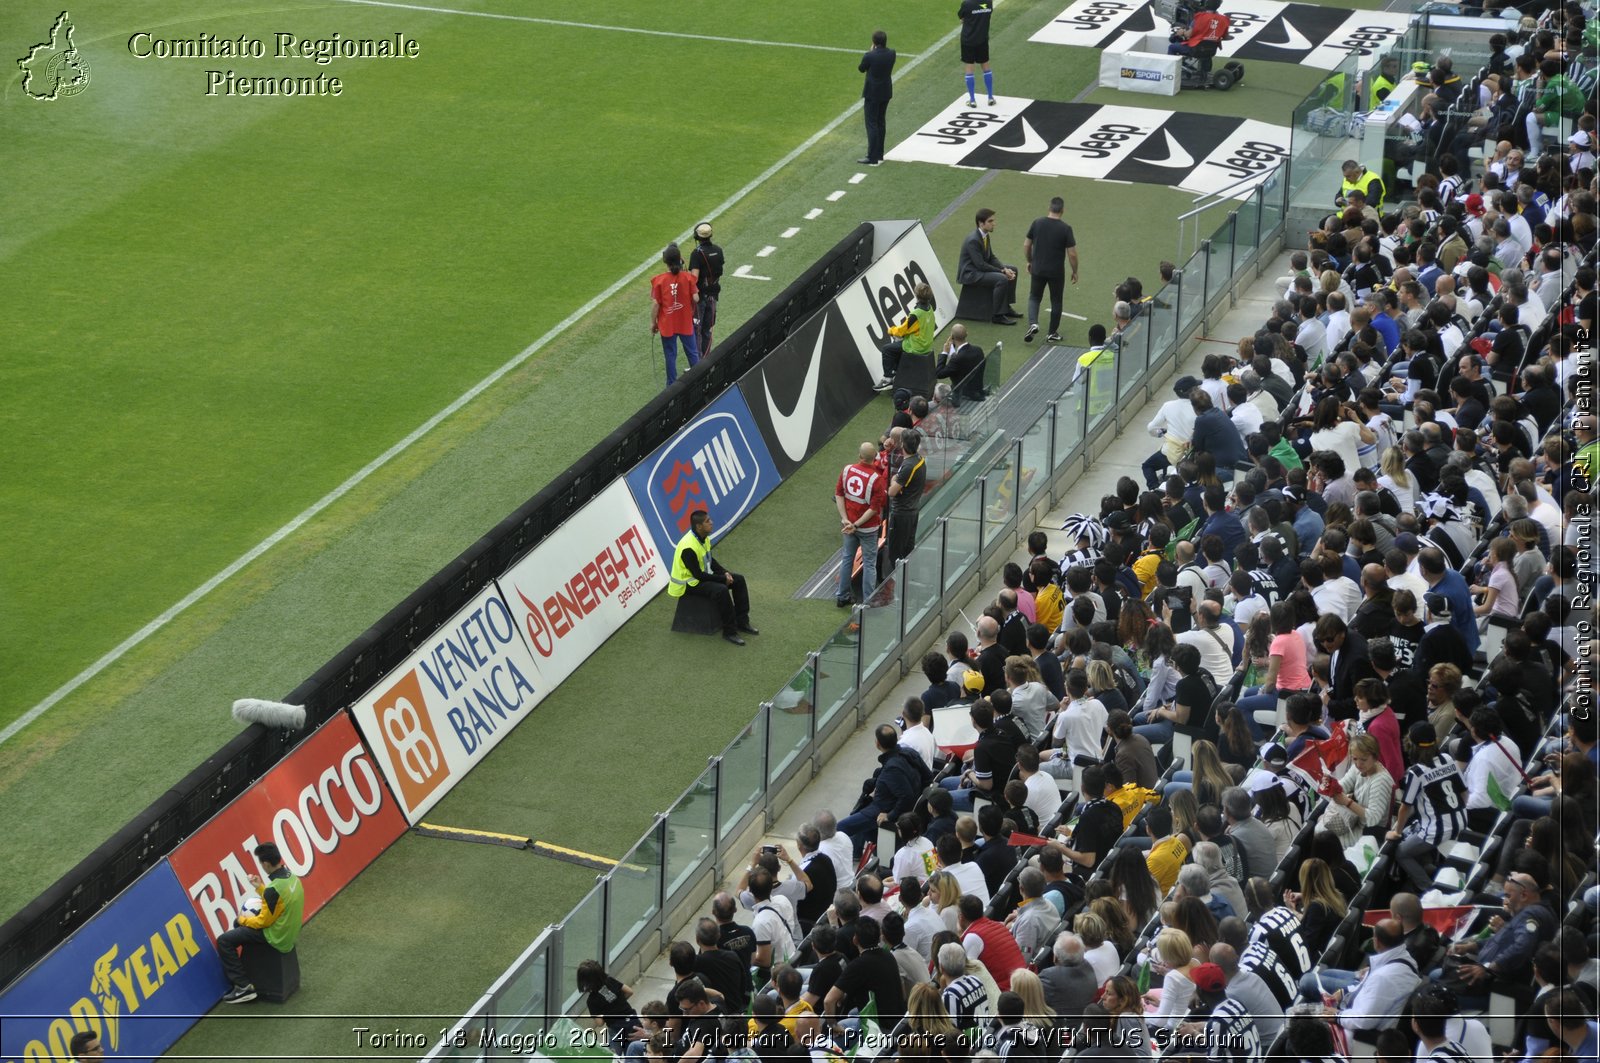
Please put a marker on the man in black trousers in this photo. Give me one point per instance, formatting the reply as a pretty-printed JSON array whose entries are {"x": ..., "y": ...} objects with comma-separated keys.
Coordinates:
[{"x": 876, "y": 92}]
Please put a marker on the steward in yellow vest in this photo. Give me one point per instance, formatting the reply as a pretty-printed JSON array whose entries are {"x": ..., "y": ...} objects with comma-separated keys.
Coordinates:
[{"x": 696, "y": 572}]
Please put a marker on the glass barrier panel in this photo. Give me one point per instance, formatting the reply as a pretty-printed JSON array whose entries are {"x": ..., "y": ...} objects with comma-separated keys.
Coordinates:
[
  {"x": 836, "y": 674},
  {"x": 1272, "y": 203},
  {"x": 961, "y": 536},
  {"x": 789, "y": 727},
  {"x": 1036, "y": 458},
  {"x": 1219, "y": 276},
  {"x": 636, "y": 891},
  {"x": 1099, "y": 384},
  {"x": 744, "y": 773},
  {"x": 582, "y": 938},
  {"x": 1194, "y": 295},
  {"x": 1247, "y": 231},
  {"x": 880, "y": 635},
  {"x": 1162, "y": 312},
  {"x": 520, "y": 1006},
  {"x": 1000, "y": 498},
  {"x": 919, "y": 583},
  {"x": 1134, "y": 358},
  {"x": 953, "y": 466},
  {"x": 691, "y": 829},
  {"x": 1069, "y": 427}
]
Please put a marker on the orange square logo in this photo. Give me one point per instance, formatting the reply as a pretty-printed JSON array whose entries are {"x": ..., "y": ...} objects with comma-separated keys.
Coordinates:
[{"x": 414, "y": 750}]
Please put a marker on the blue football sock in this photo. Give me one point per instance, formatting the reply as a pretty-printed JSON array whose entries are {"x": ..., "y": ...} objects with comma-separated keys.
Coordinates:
[
  {"x": 988, "y": 81},
  {"x": 972, "y": 87}
]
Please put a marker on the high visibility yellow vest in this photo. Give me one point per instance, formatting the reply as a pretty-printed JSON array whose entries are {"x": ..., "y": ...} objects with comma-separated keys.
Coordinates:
[
  {"x": 1381, "y": 87},
  {"x": 680, "y": 580},
  {"x": 1363, "y": 184}
]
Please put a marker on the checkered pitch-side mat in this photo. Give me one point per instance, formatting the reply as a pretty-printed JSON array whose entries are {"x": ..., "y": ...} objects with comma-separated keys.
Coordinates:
[
  {"x": 1197, "y": 152},
  {"x": 1320, "y": 37}
]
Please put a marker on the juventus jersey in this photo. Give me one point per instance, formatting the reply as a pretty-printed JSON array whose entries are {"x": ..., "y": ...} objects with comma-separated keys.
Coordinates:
[
  {"x": 1265, "y": 585},
  {"x": 1231, "y": 1035},
  {"x": 1279, "y": 928},
  {"x": 1434, "y": 792},
  {"x": 1260, "y": 958},
  {"x": 962, "y": 999},
  {"x": 1449, "y": 1052}
]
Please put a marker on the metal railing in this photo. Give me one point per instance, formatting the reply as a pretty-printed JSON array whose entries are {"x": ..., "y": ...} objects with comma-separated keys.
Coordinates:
[{"x": 975, "y": 519}]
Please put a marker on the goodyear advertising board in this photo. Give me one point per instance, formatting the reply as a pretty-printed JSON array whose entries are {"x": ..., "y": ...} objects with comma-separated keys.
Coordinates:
[
  {"x": 137, "y": 975},
  {"x": 431, "y": 720}
]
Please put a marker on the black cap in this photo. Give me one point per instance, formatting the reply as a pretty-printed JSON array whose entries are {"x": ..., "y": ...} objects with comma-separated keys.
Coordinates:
[{"x": 1185, "y": 385}]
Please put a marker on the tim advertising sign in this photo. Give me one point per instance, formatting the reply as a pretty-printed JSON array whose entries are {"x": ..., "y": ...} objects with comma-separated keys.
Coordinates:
[
  {"x": 432, "y": 719},
  {"x": 137, "y": 975},
  {"x": 575, "y": 589},
  {"x": 323, "y": 805},
  {"x": 717, "y": 462},
  {"x": 808, "y": 388}
]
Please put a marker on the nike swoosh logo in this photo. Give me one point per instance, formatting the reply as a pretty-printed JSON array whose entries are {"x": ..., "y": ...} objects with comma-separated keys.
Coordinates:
[
  {"x": 1176, "y": 158},
  {"x": 793, "y": 429},
  {"x": 1032, "y": 142},
  {"x": 1294, "y": 39}
]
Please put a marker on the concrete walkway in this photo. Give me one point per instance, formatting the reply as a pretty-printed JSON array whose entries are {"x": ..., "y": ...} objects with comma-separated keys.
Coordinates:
[{"x": 843, "y": 773}]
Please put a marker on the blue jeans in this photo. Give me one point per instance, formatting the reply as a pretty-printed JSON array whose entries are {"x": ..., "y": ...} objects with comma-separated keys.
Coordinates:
[
  {"x": 1180, "y": 781},
  {"x": 866, "y": 540},
  {"x": 1257, "y": 699},
  {"x": 1333, "y": 980},
  {"x": 1526, "y": 806},
  {"x": 1157, "y": 733},
  {"x": 861, "y": 827},
  {"x": 960, "y": 799},
  {"x": 669, "y": 347}
]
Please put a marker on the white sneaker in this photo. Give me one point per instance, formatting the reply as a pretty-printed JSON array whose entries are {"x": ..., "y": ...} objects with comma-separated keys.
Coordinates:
[{"x": 883, "y": 385}]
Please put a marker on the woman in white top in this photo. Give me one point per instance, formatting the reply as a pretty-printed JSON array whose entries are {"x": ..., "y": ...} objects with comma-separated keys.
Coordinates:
[
  {"x": 945, "y": 892},
  {"x": 1365, "y": 794},
  {"x": 908, "y": 859},
  {"x": 1397, "y": 479},
  {"x": 1339, "y": 428},
  {"x": 1159, "y": 643},
  {"x": 1174, "y": 960}
]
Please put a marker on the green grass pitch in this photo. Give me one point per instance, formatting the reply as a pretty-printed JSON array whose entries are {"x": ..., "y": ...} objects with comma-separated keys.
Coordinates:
[{"x": 224, "y": 307}]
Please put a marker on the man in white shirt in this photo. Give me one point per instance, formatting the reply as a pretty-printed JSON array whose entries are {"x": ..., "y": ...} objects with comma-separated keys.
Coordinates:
[
  {"x": 1337, "y": 323},
  {"x": 1214, "y": 640},
  {"x": 1246, "y": 415},
  {"x": 1044, "y": 796},
  {"x": 1494, "y": 756},
  {"x": 1376, "y": 1001},
  {"x": 1173, "y": 424},
  {"x": 916, "y": 734},
  {"x": 836, "y": 846},
  {"x": 922, "y": 922}
]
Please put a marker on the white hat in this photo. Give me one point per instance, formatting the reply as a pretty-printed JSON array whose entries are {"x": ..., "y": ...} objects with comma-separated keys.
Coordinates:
[{"x": 1580, "y": 138}]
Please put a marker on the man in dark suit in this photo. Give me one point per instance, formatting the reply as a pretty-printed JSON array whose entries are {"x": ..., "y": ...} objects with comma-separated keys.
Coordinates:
[
  {"x": 961, "y": 363},
  {"x": 979, "y": 265},
  {"x": 876, "y": 92},
  {"x": 1348, "y": 665}
]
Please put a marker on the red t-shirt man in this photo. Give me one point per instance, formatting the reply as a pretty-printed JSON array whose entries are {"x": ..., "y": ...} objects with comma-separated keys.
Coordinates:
[{"x": 674, "y": 295}]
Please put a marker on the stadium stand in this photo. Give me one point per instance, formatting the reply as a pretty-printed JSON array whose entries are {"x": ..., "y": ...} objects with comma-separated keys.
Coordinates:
[{"x": 1394, "y": 772}]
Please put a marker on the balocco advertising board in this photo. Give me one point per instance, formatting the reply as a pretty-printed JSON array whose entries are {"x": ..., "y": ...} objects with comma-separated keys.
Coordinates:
[
  {"x": 584, "y": 581},
  {"x": 137, "y": 975},
  {"x": 323, "y": 805},
  {"x": 432, "y": 719}
]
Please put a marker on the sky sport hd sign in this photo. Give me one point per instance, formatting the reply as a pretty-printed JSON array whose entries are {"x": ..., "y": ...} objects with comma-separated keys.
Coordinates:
[{"x": 1196, "y": 152}]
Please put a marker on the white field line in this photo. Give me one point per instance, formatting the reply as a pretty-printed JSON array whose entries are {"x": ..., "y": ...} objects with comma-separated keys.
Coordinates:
[
  {"x": 813, "y": 214},
  {"x": 609, "y": 29},
  {"x": 127, "y": 644},
  {"x": 834, "y": 197}
]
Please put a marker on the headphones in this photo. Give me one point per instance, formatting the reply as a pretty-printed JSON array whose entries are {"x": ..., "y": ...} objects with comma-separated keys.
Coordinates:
[{"x": 702, "y": 231}]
